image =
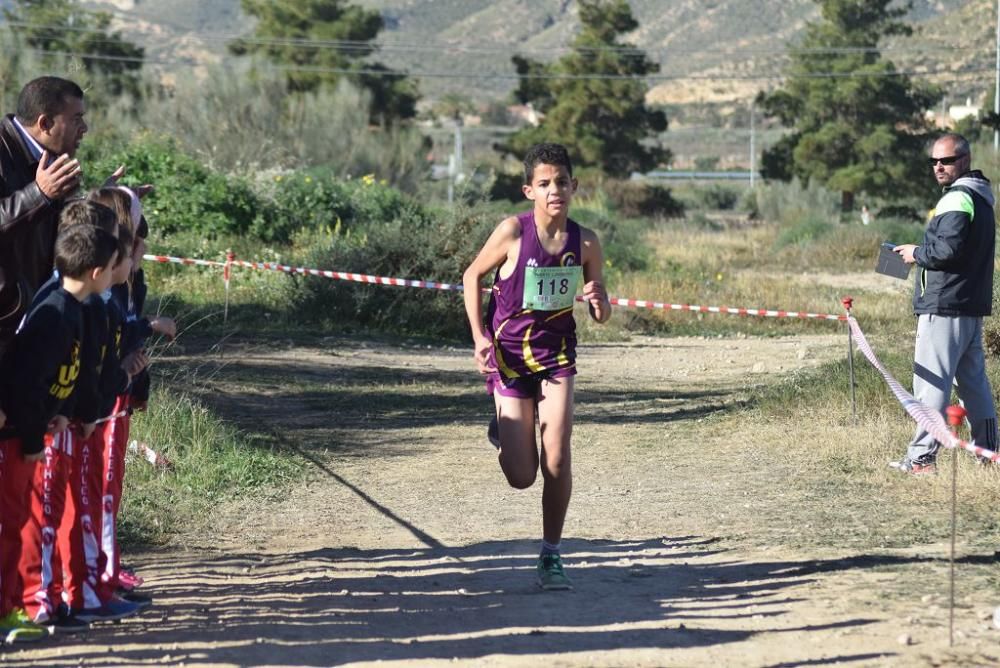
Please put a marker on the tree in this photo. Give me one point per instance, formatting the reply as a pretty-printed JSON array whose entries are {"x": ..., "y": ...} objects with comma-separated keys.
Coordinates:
[
  {"x": 602, "y": 121},
  {"x": 858, "y": 125},
  {"x": 320, "y": 41},
  {"x": 59, "y": 29},
  {"x": 989, "y": 120}
]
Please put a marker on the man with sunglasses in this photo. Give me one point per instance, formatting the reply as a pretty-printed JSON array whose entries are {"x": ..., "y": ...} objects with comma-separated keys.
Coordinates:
[{"x": 953, "y": 292}]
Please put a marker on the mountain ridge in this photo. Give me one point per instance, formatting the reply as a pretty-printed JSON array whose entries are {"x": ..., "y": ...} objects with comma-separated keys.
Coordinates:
[{"x": 719, "y": 51}]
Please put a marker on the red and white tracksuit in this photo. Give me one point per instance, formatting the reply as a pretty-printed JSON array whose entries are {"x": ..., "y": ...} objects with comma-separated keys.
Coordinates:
[
  {"x": 16, "y": 476},
  {"x": 78, "y": 533},
  {"x": 40, "y": 566},
  {"x": 87, "y": 537},
  {"x": 116, "y": 435}
]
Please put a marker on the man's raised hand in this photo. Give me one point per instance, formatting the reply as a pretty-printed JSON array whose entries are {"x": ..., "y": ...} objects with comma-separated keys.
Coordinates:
[{"x": 58, "y": 179}]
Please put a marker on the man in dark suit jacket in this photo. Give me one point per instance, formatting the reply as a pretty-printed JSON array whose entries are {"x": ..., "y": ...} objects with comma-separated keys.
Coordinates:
[{"x": 38, "y": 173}]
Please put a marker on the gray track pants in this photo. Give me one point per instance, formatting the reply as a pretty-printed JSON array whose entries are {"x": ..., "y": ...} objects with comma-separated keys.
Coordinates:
[{"x": 949, "y": 351}]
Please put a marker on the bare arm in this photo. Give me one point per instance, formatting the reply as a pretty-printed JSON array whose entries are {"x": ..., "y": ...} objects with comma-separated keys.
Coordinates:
[
  {"x": 593, "y": 277},
  {"x": 493, "y": 253}
]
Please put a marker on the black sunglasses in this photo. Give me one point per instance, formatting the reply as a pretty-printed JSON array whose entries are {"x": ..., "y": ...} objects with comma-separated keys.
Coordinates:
[{"x": 947, "y": 160}]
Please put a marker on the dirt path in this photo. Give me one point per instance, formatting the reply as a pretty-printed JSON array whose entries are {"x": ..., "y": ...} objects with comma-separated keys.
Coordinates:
[{"x": 404, "y": 544}]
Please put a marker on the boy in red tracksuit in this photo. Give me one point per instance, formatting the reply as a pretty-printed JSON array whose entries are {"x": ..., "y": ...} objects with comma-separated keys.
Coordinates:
[
  {"x": 130, "y": 298},
  {"x": 40, "y": 371},
  {"x": 83, "y": 522}
]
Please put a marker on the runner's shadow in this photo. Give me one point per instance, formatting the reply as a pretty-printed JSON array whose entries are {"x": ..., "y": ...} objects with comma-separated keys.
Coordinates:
[{"x": 338, "y": 605}]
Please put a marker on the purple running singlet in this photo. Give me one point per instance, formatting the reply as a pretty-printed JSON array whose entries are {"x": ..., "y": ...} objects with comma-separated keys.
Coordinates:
[{"x": 530, "y": 314}]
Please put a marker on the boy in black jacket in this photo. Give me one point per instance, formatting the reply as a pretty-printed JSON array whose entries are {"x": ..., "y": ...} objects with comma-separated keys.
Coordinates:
[{"x": 40, "y": 371}]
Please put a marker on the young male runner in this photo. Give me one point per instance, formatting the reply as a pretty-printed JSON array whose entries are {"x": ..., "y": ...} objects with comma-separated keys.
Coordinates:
[{"x": 527, "y": 348}]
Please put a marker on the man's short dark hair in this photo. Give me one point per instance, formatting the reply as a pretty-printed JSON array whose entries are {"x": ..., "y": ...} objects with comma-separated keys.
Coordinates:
[
  {"x": 82, "y": 247},
  {"x": 960, "y": 143},
  {"x": 45, "y": 95},
  {"x": 545, "y": 154}
]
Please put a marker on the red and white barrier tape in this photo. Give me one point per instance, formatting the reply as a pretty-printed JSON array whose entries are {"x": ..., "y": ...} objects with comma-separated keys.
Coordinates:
[
  {"x": 340, "y": 275},
  {"x": 150, "y": 455},
  {"x": 410, "y": 283},
  {"x": 765, "y": 313},
  {"x": 926, "y": 417},
  {"x": 183, "y": 260},
  {"x": 113, "y": 416}
]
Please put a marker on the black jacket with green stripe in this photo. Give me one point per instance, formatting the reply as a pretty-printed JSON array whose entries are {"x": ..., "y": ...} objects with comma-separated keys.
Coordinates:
[{"x": 955, "y": 259}]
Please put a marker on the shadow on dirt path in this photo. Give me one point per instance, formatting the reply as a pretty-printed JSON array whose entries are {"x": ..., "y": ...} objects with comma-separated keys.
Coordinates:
[{"x": 336, "y": 605}]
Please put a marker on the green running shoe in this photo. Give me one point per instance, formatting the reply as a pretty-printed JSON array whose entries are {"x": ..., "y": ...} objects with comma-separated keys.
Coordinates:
[
  {"x": 551, "y": 576},
  {"x": 17, "y": 627}
]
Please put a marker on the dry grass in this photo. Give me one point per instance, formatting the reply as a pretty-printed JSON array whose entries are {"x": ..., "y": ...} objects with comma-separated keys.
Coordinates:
[
  {"x": 742, "y": 267},
  {"x": 841, "y": 475}
]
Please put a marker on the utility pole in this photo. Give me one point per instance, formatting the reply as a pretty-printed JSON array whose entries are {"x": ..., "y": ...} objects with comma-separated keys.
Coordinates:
[
  {"x": 996, "y": 84},
  {"x": 459, "y": 167},
  {"x": 455, "y": 161},
  {"x": 753, "y": 150}
]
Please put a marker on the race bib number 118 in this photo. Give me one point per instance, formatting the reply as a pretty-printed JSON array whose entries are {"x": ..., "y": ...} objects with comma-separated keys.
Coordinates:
[{"x": 550, "y": 288}]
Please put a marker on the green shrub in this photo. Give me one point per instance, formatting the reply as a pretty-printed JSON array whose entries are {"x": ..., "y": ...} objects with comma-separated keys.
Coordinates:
[
  {"x": 187, "y": 196},
  {"x": 898, "y": 230},
  {"x": 787, "y": 203},
  {"x": 635, "y": 198},
  {"x": 723, "y": 197},
  {"x": 807, "y": 229},
  {"x": 191, "y": 197},
  {"x": 713, "y": 196},
  {"x": 416, "y": 244},
  {"x": 317, "y": 199},
  {"x": 748, "y": 203}
]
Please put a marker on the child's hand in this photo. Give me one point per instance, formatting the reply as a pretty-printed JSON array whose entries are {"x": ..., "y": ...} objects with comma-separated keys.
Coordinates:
[
  {"x": 115, "y": 176},
  {"x": 135, "y": 362},
  {"x": 482, "y": 355},
  {"x": 165, "y": 326},
  {"x": 88, "y": 429},
  {"x": 58, "y": 424}
]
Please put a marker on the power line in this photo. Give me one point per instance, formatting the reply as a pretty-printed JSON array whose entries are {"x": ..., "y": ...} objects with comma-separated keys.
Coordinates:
[
  {"x": 516, "y": 76},
  {"x": 369, "y": 46}
]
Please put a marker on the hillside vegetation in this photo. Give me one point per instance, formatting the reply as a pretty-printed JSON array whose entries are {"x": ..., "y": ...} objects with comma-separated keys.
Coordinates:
[{"x": 721, "y": 37}]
